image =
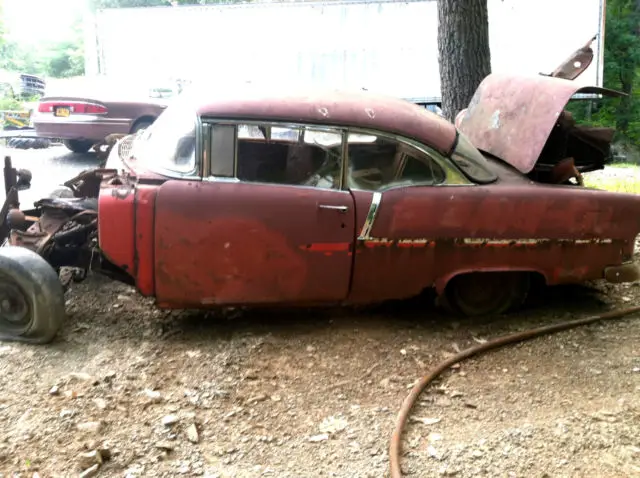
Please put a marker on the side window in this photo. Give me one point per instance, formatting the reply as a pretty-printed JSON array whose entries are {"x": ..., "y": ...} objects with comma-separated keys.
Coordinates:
[
  {"x": 292, "y": 155},
  {"x": 377, "y": 163}
]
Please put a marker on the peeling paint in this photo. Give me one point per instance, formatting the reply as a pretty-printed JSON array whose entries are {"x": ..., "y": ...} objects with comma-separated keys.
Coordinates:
[
  {"x": 495, "y": 120},
  {"x": 121, "y": 193}
]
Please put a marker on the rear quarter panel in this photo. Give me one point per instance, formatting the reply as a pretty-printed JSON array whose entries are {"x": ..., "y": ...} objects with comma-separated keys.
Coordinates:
[{"x": 567, "y": 234}]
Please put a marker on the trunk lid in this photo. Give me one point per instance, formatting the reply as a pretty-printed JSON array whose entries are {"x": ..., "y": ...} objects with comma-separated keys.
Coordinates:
[{"x": 522, "y": 121}]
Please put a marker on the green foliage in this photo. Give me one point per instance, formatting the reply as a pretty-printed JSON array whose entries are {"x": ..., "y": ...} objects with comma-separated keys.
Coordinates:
[
  {"x": 10, "y": 104},
  {"x": 62, "y": 59},
  {"x": 621, "y": 72},
  {"x": 65, "y": 60}
]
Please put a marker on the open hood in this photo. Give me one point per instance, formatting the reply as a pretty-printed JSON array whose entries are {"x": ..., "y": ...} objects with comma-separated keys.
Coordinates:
[{"x": 513, "y": 117}]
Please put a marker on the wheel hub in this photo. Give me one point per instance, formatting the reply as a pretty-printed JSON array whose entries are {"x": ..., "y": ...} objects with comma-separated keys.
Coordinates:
[{"x": 14, "y": 309}]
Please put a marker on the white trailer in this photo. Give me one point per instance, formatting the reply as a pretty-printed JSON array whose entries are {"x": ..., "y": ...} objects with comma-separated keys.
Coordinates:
[{"x": 383, "y": 46}]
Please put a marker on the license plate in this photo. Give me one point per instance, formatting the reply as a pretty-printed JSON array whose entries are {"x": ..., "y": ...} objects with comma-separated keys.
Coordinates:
[{"x": 62, "y": 111}]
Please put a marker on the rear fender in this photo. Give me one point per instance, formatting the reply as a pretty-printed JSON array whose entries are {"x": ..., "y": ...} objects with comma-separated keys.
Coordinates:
[{"x": 442, "y": 281}]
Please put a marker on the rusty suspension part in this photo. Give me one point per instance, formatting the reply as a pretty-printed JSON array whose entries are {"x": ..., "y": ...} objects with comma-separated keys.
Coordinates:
[{"x": 395, "y": 447}]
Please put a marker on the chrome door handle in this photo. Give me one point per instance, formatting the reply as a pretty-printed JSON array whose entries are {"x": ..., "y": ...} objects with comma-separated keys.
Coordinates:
[{"x": 342, "y": 209}]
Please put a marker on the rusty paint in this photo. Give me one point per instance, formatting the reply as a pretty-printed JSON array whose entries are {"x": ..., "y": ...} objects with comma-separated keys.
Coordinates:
[
  {"x": 503, "y": 120},
  {"x": 358, "y": 109},
  {"x": 116, "y": 233},
  {"x": 327, "y": 247},
  {"x": 144, "y": 238},
  {"x": 235, "y": 243},
  {"x": 419, "y": 239}
]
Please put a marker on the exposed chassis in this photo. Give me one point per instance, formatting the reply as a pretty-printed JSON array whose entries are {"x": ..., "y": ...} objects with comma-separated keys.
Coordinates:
[{"x": 63, "y": 228}]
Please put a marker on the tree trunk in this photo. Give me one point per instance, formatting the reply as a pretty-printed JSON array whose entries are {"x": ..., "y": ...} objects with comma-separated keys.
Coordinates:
[{"x": 463, "y": 51}]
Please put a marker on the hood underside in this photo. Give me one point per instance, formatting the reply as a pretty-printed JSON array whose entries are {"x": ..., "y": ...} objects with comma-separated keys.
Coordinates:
[{"x": 513, "y": 118}]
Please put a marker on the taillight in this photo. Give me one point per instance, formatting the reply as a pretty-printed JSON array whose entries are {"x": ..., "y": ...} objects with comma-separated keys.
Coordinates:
[{"x": 76, "y": 107}]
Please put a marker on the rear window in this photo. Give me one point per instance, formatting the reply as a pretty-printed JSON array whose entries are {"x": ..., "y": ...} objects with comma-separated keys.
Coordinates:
[{"x": 471, "y": 161}]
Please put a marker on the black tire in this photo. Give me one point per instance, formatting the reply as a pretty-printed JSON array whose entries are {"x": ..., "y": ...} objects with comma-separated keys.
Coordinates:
[
  {"x": 487, "y": 293},
  {"x": 78, "y": 145},
  {"x": 41, "y": 143},
  {"x": 141, "y": 124},
  {"x": 31, "y": 297},
  {"x": 28, "y": 143}
]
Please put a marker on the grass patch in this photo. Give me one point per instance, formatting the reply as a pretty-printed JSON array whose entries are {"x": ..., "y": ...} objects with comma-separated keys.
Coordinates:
[{"x": 619, "y": 178}]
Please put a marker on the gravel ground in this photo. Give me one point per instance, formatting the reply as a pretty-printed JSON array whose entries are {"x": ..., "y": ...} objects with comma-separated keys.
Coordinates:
[
  {"x": 305, "y": 393},
  {"x": 315, "y": 393}
]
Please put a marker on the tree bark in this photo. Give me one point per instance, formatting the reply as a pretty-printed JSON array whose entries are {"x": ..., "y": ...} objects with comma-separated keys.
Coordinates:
[{"x": 463, "y": 51}]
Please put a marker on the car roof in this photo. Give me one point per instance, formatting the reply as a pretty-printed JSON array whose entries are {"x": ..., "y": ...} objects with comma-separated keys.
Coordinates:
[{"x": 362, "y": 109}]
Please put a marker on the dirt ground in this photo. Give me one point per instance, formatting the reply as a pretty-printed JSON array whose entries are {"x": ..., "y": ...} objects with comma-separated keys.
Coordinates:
[{"x": 315, "y": 393}]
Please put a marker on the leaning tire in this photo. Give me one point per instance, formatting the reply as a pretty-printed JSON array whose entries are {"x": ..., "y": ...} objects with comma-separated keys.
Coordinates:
[
  {"x": 31, "y": 297},
  {"x": 41, "y": 143},
  {"x": 487, "y": 293}
]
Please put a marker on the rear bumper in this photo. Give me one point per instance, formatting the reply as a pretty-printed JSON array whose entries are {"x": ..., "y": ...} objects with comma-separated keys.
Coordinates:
[
  {"x": 92, "y": 128},
  {"x": 627, "y": 272}
]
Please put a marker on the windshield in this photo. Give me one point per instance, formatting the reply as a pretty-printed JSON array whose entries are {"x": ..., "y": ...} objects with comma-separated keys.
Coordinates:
[
  {"x": 471, "y": 161},
  {"x": 169, "y": 144}
]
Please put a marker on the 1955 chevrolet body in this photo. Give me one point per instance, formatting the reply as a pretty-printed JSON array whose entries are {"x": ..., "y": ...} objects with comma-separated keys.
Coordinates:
[{"x": 267, "y": 198}]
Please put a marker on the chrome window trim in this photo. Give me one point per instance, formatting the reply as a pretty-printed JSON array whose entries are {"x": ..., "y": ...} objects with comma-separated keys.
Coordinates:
[
  {"x": 338, "y": 130},
  {"x": 453, "y": 177}
]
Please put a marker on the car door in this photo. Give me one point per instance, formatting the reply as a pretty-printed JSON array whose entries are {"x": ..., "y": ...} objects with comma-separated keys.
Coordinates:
[{"x": 266, "y": 225}]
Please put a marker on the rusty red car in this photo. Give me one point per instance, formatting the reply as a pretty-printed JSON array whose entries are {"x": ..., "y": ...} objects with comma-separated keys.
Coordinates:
[{"x": 258, "y": 198}]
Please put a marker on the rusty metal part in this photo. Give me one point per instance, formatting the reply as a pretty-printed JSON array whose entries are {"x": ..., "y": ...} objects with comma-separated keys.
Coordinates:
[
  {"x": 503, "y": 120},
  {"x": 576, "y": 63},
  {"x": 566, "y": 170},
  {"x": 395, "y": 448},
  {"x": 87, "y": 184},
  {"x": 49, "y": 225},
  {"x": 629, "y": 272}
]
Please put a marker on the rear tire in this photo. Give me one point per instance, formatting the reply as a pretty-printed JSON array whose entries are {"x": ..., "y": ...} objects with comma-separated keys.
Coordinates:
[
  {"x": 487, "y": 293},
  {"x": 31, "y": 297},
  {"x": 77, "y": 145}
]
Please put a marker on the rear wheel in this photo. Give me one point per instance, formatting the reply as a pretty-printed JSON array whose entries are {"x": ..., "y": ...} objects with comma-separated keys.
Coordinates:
[
  {"x": 487, "y": 293},
  {"x": 31, "y": 297},
  {"x": 78, "y": 145}
]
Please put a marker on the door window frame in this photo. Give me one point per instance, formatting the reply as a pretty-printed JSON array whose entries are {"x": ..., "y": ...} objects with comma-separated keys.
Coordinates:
[{"x": 453, "y": 177}]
